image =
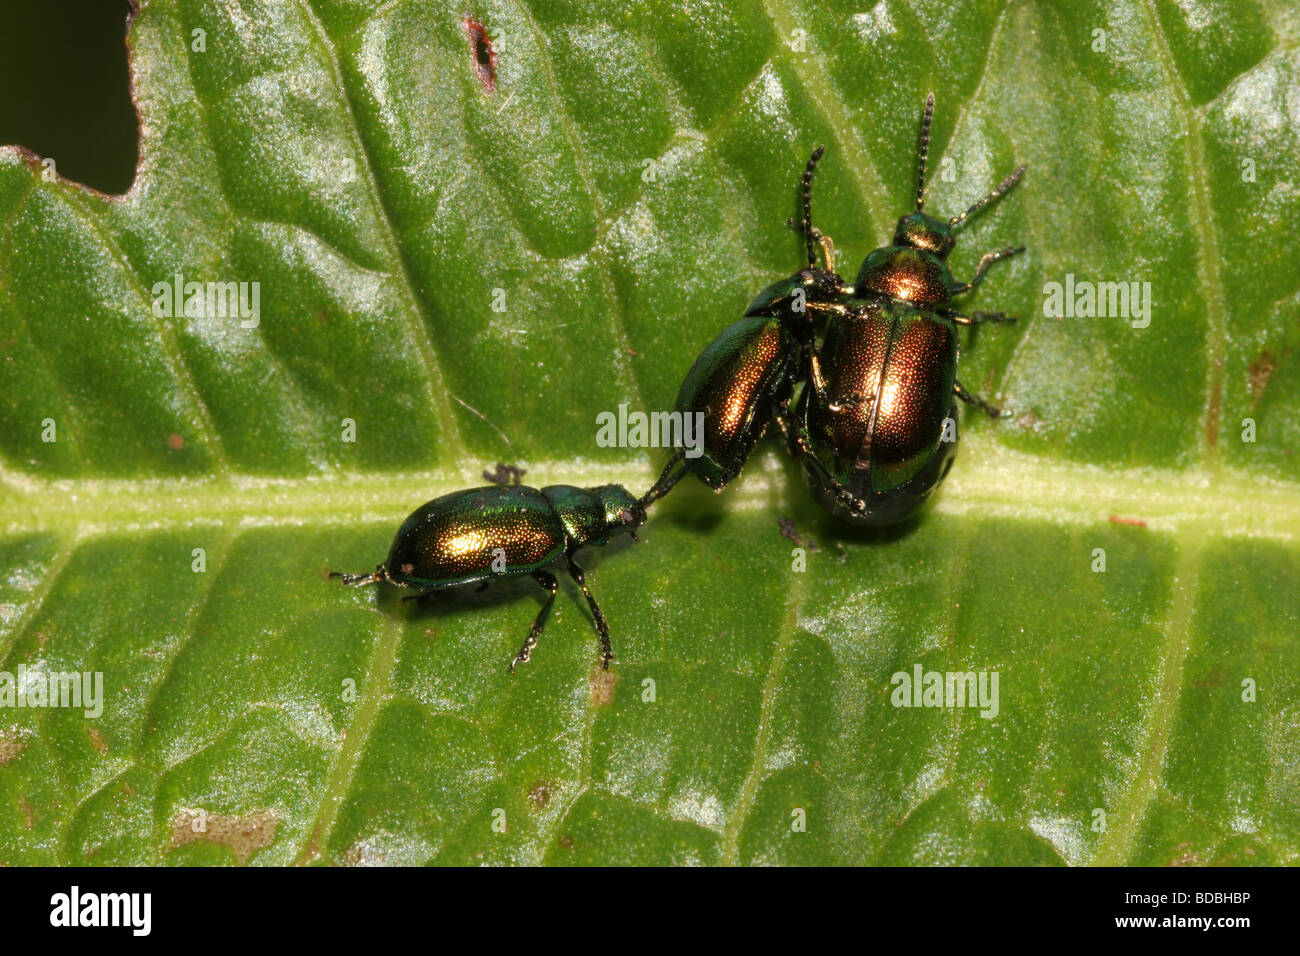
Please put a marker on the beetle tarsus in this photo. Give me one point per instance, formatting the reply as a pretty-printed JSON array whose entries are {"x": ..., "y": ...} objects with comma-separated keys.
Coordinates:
[
  {"x": 358, "y": 580},
  {"x": 971, "y": 399},
  {"x": 548, "y": 582},
  {"x": 978, "y": 318}
]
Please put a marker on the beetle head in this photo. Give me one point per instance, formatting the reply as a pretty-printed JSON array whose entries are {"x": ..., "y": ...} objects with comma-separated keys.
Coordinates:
[
  {"x": 622, "y": 510},
  {"x": 916, "y": 230}
]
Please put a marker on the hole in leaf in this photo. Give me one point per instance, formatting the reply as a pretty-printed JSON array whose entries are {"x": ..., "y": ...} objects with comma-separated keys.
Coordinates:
[
  {"x": 63, "y": 67},
  {"x": 485, "y": 55}
]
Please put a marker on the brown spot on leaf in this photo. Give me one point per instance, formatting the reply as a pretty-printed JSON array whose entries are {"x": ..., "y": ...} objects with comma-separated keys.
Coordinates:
[
  {"x": 243, "y": 834},
  {"x": 566, "y": 843},
  {"x": 788, "y": 531},
  {"x": 483, "y": 53},
  {"x": 97, "y": 739},
  {"x": 540, "y": 795},
  {"x": 175, "y": 442},
  {"x": 1188, "y": 856},
  {"x": 1134, "y": 522},
  {"x": 10, "y": 747},
  {"x": 602, "y": 687},
  {"x": 29, "y": 813},
  {"x": 1261, "y": 370}
]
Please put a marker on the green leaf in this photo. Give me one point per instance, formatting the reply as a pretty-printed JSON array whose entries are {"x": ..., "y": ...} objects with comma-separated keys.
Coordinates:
[{"x": 625, "y": 188}]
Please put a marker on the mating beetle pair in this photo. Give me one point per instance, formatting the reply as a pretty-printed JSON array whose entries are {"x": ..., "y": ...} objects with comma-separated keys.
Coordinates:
[{"x": 869, "y": 426}]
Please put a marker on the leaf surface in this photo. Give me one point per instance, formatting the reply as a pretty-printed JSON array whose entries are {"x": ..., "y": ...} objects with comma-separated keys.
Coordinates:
[{"x": 470, "y": 276}]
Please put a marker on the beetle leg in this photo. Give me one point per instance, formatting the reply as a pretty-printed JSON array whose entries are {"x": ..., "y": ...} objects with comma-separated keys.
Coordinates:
[
  {"x": 975, "y": 318},
  {"x": 796, "y": 437},
  {"x": 852, "y": 400},
  {"x": 819, "y": 237},
  {"x": 795, "y": 442},
  {"x": 983, "y": 267},
  {"x": 667, "y": 481},
  {"x": 505, "y": 474},
  {"x": 602, "y": 627},
  {"x": 828, "y": 250},
  {"x": 817, "y": 382},
  {"x": 970, "y": 399},
  {"x": 842, "y": 494},
  {"x": 546, "y": 580}
]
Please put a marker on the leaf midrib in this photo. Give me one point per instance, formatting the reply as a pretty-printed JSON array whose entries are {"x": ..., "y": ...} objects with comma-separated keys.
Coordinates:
[{"x": 990, "y": 481}]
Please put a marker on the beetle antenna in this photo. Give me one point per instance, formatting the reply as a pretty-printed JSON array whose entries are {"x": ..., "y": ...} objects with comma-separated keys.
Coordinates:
[
  {"x": 998, "y": 191},
  {"x": 666, "y": 481},
  {"x": 925, "y": 150},
  {"x": 810, "y": 237}
]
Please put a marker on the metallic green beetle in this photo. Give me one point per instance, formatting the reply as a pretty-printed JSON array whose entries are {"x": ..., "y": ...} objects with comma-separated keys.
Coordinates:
[
  {"x": 745, "y": 376},
  {"x": 473, "y": 536},
  {"x": 881, "y": 435}
]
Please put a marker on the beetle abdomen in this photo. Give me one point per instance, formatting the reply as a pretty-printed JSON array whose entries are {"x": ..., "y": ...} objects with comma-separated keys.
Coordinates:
[
  {"x": 457, "y": 538},
  {"x": 914, "y": 396},
  {"x": 858, "y": 344},
  {"x": 892, "y": 374},
  {"x": 734, "y": 383}
]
